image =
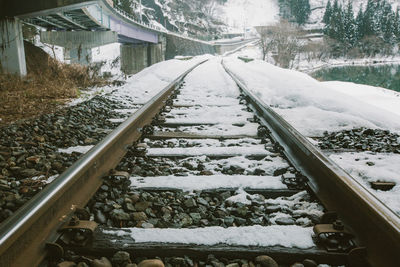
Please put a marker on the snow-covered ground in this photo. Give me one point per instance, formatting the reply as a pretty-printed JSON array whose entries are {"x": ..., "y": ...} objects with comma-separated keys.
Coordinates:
[
  {"x": 310, "y": 106},
  {"x": 369, "y": 167},
  {"x": 386, "y": 99}
]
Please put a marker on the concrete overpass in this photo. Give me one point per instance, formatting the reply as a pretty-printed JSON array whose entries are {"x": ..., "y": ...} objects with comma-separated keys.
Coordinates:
[{"x": 80, "y": 25}]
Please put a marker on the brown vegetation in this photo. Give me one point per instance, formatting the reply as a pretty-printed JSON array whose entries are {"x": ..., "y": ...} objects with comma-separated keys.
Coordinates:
[{"x": 48, "y": 84}]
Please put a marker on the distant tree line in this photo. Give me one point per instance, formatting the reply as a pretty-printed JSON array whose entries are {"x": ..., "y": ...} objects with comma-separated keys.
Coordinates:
[
  {"x": 375, "y": 29},
  {"x": 295, "y": 10}
]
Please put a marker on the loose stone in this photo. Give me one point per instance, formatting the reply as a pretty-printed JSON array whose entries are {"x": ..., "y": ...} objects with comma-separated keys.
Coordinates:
[{"x": 266, "y": 261}]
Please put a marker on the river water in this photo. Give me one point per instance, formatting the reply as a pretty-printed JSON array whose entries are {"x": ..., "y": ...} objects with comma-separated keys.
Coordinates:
[{"x": 386, "y": 76}]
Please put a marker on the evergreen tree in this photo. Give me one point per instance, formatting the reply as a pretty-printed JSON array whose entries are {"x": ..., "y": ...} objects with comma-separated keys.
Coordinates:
[
  {"x": 349, "y": 26},
  {"x": 360, "y": 24},
  {"x": 125, "y": 5},
  {"x": 388, "y": 23},
  {"x": 301, "y": 10},
  {"x": 328, "y": 13},
  {"x": 368, "y": 18},
  {"x": 335, "y": 28},
  {"x": 397, "y": 24}
]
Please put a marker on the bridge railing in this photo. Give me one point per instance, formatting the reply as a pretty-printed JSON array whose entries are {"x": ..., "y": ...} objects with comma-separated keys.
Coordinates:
[{"x": 132, "y": 18}]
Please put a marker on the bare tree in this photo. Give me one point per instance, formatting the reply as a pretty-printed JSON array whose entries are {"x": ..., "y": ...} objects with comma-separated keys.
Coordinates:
[{"x": 282, "y": 40}]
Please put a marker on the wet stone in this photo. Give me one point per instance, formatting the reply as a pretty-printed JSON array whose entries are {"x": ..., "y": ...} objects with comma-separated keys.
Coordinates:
[
  {"x": 189, "y": 203},
  {"x": 121, "y": 258},
  {"x": 119, "y": 215},
  {"x": 266, "y": 261},
  {"x": 103, "y": 262},
  {"x": 285, "y": 221},
  {"x": 100, "y": 217}
]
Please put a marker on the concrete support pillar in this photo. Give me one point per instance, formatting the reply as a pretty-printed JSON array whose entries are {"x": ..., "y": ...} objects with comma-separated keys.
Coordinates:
[
  {"x": 12, "y": 52},
  {"x": 163, "y": 39},
  {"x": 80, "y": 55},
  {"x": 154, "y": 54},
  {"x": 133, "y": 58}
]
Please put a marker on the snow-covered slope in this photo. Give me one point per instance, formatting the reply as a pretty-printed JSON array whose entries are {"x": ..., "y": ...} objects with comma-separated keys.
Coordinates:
[
  {"x": 211, "y": 17},
  {"x": 239, "y": 14}
]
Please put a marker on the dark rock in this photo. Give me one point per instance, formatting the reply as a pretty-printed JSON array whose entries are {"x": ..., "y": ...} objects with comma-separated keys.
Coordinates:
[
  {"x": 121, "y": 258},
  {"x": 266, "y": 261},
  {"x": 139, "y": 216},
  {"x": 119, "y": 215},
  {"x": 309, "y": 263},
  {"x": 190, "y": 203},
  {"x": 102, "y": 262},
  {"x": 151, "y": 263},
  {"x": 285, "y": 221},
  {"x": 100, "y": 217},
  {"x": 142, "y": 206}
]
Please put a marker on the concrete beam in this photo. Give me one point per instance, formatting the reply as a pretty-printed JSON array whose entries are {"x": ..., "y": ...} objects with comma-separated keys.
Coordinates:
[
  {"x": 12, "y": 52},
  {"x": 85, "y": 39},
  {"x": 28, "y": 9},
  {"x": 133, "y": 58}
]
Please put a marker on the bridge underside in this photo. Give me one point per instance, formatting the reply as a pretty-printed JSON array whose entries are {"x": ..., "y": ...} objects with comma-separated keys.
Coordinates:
[
  {"x": 27, "y": 9},
  {"x": 74, "y": 20}
]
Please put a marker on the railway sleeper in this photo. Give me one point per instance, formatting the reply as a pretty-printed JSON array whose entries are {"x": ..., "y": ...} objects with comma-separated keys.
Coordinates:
[{"x": 104, "y": 244}]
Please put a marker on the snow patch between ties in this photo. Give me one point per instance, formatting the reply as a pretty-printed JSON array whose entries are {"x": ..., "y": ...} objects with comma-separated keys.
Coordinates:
[{"x": 275, "y": 235}]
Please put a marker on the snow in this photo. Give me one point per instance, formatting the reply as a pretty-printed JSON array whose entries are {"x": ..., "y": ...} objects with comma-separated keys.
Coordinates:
[
  {"x": 158, "y": 76},
  {"x": 78, "y": 149},
  {"x": 318, "y": 10},
  {"x": 268, "y": 164},
  {"x": 255, "y": 150},
  {"x": 286, "y": 236},
  {"x": 386, "y": 168},
  {"x": 243, "y": 142},
  {"x": 43, "y": 178},
  {"x": 116, "y": 120},
  {"x": 190, "y": 183},
  {"x": 210, "y": 79},
  {"x": 376, "y": 96},
  {"x": 110, "y": 54},
  {"x": 240, "y": 14},
  {"x": 298, "y": 203},
  {"x": 240, "y": 197},
  {"x": 310, "y": 106}
]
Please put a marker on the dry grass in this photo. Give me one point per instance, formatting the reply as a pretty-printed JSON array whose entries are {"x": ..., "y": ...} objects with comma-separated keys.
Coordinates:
[{"x": 48, "y": 84}]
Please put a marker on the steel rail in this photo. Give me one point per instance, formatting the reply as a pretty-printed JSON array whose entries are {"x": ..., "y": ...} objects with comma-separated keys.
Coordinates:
[
  {"x": 375, "y": 225},
  {"x": 23, "y": 236}
]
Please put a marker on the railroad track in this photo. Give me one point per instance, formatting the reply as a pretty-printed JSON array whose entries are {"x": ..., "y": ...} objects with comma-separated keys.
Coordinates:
[{"x": 200, "y": 171}]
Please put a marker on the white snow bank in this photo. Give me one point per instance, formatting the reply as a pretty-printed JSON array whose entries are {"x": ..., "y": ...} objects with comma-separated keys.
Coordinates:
[
  {"x": 376, "y": 96},
  {"x": 286, "y": 236},
  {"x": 190, "y": 183},
  {"x": 368, "y": 167},
  {"x": 310, "y": 106}
]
